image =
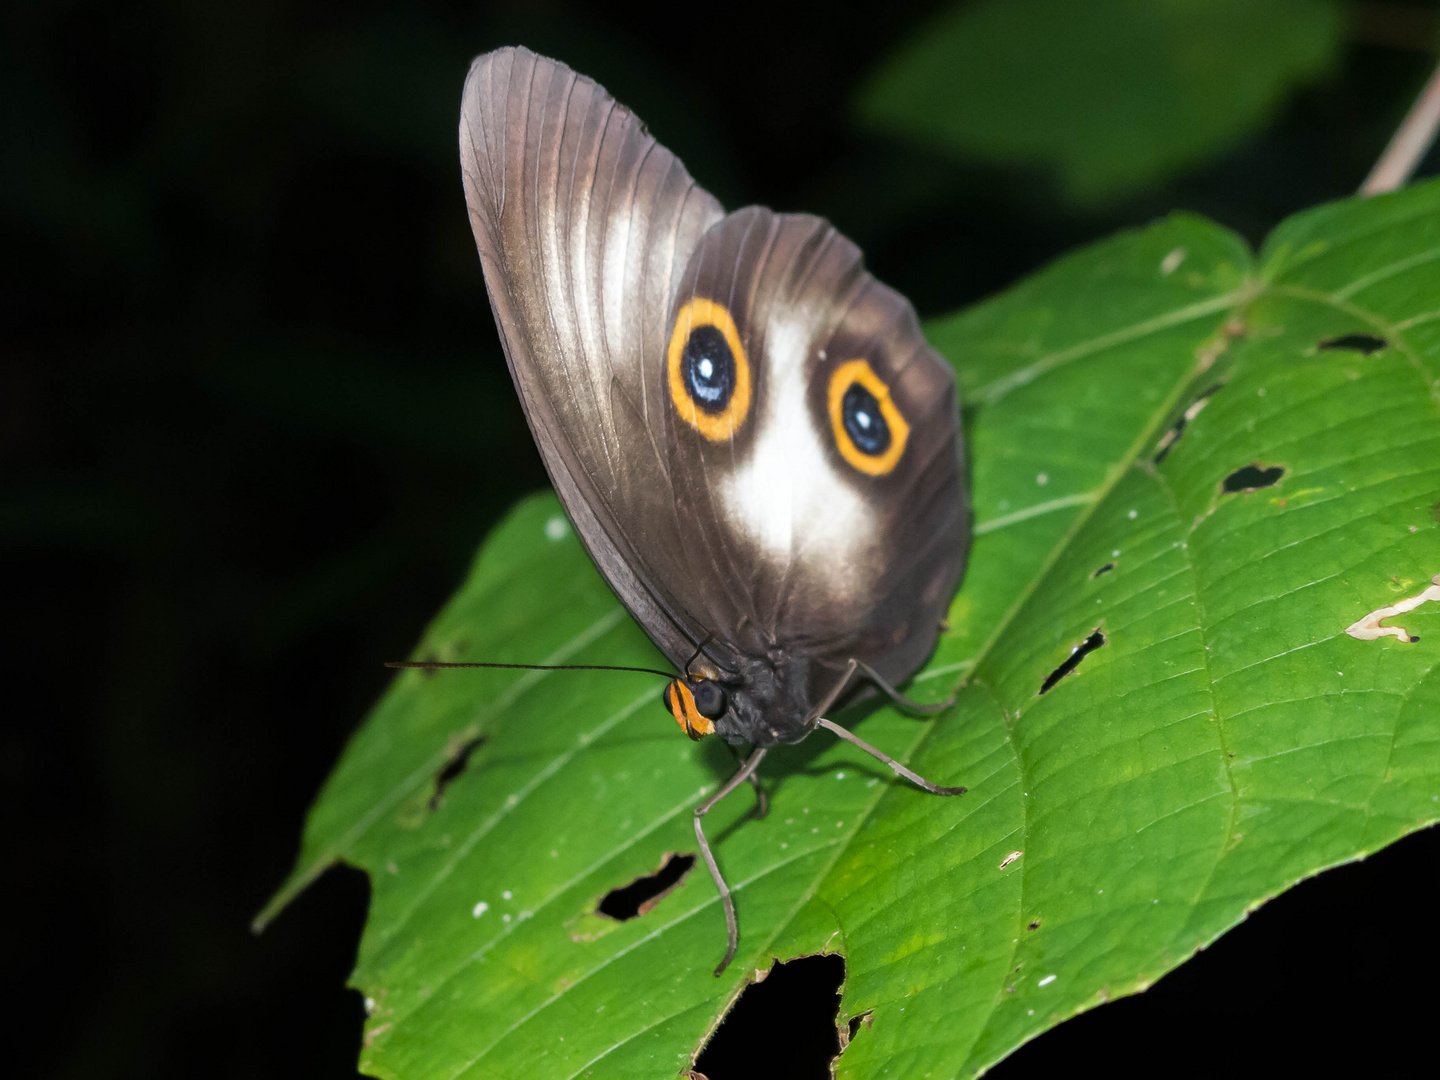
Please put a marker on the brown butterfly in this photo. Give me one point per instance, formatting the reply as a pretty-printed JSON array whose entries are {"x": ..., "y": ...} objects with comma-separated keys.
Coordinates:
[{"x": 748, "y": 431}]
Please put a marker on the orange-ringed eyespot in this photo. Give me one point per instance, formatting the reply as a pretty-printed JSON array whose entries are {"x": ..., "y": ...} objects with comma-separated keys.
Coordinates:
[
  {"x": 707, "y": 369},
  {"x": 868, "y": 428}
]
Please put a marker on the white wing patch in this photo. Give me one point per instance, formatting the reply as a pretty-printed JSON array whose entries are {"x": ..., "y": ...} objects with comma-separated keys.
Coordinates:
[{"x": 787, "y": 497}]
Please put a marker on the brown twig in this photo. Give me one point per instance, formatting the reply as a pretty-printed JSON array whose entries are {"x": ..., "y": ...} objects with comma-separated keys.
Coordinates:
[{"x": 1412, "y": 138}]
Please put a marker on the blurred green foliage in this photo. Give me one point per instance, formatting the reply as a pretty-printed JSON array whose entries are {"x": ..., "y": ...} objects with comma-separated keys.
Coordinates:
[{"x": 1111, "y": 95}]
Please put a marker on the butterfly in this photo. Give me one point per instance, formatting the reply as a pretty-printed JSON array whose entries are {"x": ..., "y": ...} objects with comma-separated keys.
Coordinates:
[{"x": 748, "y": 432}]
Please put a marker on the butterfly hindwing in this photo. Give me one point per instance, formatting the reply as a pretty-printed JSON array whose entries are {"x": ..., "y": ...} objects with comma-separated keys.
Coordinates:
[{"x": 826, "y": 545}]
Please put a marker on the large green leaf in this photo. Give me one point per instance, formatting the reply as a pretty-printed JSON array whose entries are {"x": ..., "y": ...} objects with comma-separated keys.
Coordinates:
[
  {"x": 1227, "y": 740},
  {"x": 1110, "y": 94}
]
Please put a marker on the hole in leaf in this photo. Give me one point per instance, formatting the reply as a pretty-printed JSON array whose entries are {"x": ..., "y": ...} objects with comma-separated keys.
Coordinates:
[
  {"x": 1170, "y": 438},
  {"x": 1078, "y": 653},
  {"x": 1103, "y": 570},
  {"x": 644, "y": 893},
  {"x": 849, "y": 1031},
  {"x": 1252, "y": 478},
  {"x": 453, "y": 767},
  {"x": 783, "y": 1025},
  {"x": 1361, "y": 343}
]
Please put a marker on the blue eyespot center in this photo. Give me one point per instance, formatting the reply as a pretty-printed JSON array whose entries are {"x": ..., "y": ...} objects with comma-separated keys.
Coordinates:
[
  {"x": 864, "y": 422},
  {"x": 709, "y": 369}
]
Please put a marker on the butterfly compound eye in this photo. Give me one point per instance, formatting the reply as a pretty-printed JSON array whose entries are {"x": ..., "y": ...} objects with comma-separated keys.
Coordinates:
[
  {"x": 709, "y": 373},
  {"x": 868, "y": 428},
  {"x": 709, "y": 699}
]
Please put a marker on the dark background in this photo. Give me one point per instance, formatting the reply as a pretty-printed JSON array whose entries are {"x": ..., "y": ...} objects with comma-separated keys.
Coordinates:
[{"x": 254, "y": 421}]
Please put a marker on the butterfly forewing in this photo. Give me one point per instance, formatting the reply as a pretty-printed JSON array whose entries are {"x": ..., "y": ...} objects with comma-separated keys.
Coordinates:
[{"x": 585, "y": 225}]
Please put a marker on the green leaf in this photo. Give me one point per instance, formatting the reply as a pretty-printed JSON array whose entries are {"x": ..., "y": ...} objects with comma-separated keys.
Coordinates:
[
  {"x": 1113, "y": 95},
  {"x": 1226, "y": 740}
]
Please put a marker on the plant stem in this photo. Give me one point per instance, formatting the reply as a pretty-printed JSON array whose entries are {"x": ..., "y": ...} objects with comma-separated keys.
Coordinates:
[{"x": 1409, "y": 143}]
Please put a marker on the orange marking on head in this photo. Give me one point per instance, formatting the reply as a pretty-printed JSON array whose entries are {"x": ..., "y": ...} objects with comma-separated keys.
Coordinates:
[{"x": 681, "y": 703}]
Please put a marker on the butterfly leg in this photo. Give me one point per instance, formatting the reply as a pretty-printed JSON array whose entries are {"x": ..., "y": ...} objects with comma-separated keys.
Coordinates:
[
  {"x": 899, "y": 698},
  {"x": 746, "y": 771},
  {"x": 762, "y": 800},
  {"x": 900, "y": 770}
]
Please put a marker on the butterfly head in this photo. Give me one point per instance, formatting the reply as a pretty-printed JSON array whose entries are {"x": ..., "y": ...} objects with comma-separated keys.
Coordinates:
[{"x": 696, "y": 703}]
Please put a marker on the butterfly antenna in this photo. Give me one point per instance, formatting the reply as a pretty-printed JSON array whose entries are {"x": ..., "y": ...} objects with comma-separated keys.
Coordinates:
[
  {"x": 900, "y": 770},
  {"x": 527, "y": 667},
  {"x": 696, "y": 654}
]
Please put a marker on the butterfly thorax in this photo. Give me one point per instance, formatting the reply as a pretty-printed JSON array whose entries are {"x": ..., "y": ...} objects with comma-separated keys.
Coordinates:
[{"x": 765, "y": 702}]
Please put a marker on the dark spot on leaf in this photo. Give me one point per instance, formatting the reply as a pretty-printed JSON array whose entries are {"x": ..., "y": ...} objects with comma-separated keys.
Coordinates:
[
  {"x": 1252, "y": 477},
  {"x": 1171, "y": 437},
  {"x": 1078, "y": 653},
  {"x": 1103, "y": 570},
  {"x": 1435, "y": 511},
  {"x": 1361, "y": 343},
  {"x": 453, "y": 767},
  {"x": 1414, "y": 638},
  {"x": 781, "y": 1026},
  {"x": 644, "y": 893},
  {"x": 1034, "y": 924}
]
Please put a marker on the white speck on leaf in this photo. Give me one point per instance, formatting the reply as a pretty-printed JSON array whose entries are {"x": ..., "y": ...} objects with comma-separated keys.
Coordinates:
[
  {"x": 1133, "y": 514},
  {"x": 557, "y": 527},
  {"x": 1042, "y": 479},
  {"x": 506, "y": 895},
  {"x": 506, "y": 916},
  {"x": 1009, "y": 859},
  {"x": 1046, "y": 981},
  {"x": 479, "y": 909},
  {"x": 1172, "y": 261}
]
